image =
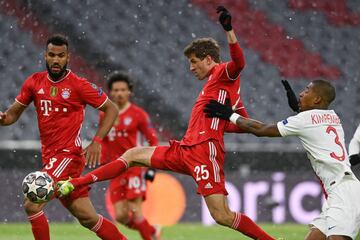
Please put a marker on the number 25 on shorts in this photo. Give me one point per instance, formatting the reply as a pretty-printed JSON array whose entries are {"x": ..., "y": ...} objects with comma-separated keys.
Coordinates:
[{"x": 201, "y": 172}]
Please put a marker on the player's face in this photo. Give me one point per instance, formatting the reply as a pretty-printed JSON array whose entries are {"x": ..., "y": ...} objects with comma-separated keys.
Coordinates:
[
  {"x": 200, "y": 68},
  {"x": 120, "y": 93},
  {"x": 307, "y": 98},
  {"x": 57, "y": 58}
]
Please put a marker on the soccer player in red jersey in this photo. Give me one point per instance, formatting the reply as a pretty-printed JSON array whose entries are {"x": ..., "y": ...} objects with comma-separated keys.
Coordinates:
[
  {"x": 201, "y": 152},
  {"x": 60, "y": 97},
  {"x": 128, "y": 191}
]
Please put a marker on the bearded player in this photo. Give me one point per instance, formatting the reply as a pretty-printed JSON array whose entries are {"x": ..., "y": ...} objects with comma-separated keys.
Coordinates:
[
  {"x": 128, "y": 191},
  {"x": 200, "y": 153},
  {"x": 320, "y": 132},
  {"x": 60, "y": 97}
]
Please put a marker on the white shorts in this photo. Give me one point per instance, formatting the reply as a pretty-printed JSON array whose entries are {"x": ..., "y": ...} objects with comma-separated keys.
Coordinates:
[{"x": 340, "y": 214}]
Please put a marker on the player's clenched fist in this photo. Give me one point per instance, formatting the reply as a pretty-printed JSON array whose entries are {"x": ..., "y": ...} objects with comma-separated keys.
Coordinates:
[{"x": 224, "y": 18}]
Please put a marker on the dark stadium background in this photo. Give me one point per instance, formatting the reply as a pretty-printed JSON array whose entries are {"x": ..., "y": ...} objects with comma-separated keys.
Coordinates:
[{"x": 297, "y": 40}]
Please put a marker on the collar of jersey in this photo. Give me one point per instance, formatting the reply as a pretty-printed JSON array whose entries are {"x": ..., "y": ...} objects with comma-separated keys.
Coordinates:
[
  {"x": 125, "y": 109},
  {"x": 62, "y": 79}
]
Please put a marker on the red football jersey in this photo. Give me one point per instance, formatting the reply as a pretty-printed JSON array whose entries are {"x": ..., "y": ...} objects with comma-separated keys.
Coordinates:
[
  {"x": 60, "y": 108},
  {"x": 219, "y": 87},
  {"x": 125, "y": 133}
]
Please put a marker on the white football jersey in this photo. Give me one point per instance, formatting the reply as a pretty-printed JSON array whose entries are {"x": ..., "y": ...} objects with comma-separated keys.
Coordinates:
[
  {"x": 354, "y": 146},
  {"x": 322, "y": 135}
]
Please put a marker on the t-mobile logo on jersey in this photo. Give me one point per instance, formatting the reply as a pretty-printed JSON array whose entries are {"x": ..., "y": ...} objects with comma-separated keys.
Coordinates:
[{"x": 46, "y": 107}]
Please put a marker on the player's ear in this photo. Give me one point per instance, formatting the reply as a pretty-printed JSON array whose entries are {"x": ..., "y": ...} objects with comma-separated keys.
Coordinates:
[
  {"x": 318, "y": 99},
  {"x": 209, "y": 59}
]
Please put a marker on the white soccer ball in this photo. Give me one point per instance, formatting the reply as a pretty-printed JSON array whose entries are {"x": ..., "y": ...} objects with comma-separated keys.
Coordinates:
[{"x": 38, "y": 187}]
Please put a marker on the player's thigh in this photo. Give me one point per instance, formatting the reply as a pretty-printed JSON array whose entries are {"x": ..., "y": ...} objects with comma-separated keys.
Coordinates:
[
  {"x": 219, "y": 209},
  {"x": 315, "y": 234},
  {"x": 337, "y": 237},
  {"x": 139, "y": 156},
  {"x": 32, "y": 208},
  {"x": 84, "y": 211},
  {"x": 135, "y": 206},
  {"x": 121, "y": 210}
]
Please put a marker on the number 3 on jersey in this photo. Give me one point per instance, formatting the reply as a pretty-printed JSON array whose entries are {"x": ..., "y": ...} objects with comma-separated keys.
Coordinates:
[
  {"x": 337, "y": 141},
  {"x": 201, "y": 172}
]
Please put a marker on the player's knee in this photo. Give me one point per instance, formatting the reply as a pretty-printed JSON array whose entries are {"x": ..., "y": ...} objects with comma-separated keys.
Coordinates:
[
  {"x": 88, "y": 221},
  {"x": 224, "y": 218},
  {"x": 122, "y": 218},
  {"x": 32, "y": 208},
  {"x": 135, "y": 156}
]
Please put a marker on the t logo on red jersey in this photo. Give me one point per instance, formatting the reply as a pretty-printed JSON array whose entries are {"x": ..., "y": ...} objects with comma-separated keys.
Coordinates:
[{"x": 45, "y": 106}]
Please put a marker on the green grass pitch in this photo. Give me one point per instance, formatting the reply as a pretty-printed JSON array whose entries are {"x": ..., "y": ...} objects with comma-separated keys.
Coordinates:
[{"x": 189, "y": 231}]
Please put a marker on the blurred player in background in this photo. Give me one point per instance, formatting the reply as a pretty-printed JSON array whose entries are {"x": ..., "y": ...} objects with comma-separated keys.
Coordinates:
[
  {"x": 322, "y": 135},
  {"x": 60, "y": 98},
  {"x": 128, "y": 191},
  {"x": 200, "y": 153},
  {"x": 354, "y": 148}
]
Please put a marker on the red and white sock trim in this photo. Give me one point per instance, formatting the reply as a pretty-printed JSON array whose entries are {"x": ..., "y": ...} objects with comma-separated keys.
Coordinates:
[
  {"x": 36, "y": 215},
  {"x": 236, "y": 221},
  {"x": 123, "y": 161},
  {"x": 98, "y": 224}
]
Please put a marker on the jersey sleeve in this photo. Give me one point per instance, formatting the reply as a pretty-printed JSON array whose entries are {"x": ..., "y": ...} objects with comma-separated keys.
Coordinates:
[
  {"x": 291, "y": 126},
  {"x": 25, "y": 96},
  {"x": 354, "y": 145},
  {"x": 147, "y": 129},
  {"x": 237, "y": 63},
  {"x": 91, "y": 94}
]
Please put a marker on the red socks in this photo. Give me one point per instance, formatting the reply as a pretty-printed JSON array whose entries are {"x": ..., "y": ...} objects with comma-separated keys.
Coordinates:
[
  {"x": 105, "y": 172},
  {"x": 143, "y": 226},
  {"x": 106, "y": 230},
  {"x": 40, "y": 226},
  {"x": 245, "y": 225}
]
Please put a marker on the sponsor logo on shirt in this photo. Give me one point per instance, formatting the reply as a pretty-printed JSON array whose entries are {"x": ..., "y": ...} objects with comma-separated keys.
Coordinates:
[
  {"x": 41, "y": 91},
  {"x": 65, "y": 93},
  {"x": 53, "y": 91},
  {"x": 285, "y": 121}
]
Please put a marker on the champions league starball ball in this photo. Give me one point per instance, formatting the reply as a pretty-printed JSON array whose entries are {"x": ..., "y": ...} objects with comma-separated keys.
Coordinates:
[{"x": 38, "y": 187}]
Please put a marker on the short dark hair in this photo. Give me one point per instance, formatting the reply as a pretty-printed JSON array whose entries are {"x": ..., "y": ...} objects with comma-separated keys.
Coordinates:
[
  {"x": 120, "y": 76},
  {"x": 203, "y": 47},
  {"x": 58, "y": 40},
  {"x": 325, "y": 90}
]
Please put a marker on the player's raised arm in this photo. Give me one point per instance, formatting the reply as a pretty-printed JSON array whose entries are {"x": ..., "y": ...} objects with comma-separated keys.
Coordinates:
[
  {"x": 216, "y": 109},
  {"x": 12, "y": 114},
  {"x": 354, "y": 148},
  {"x": 238, "y": 60},
  {"x": 93, "y": 151}
]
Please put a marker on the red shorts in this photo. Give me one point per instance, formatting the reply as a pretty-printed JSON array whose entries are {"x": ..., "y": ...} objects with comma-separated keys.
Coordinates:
[
  {"x": 63, "y": 166},
  {"x": 128, "y": 186},
  {"x": 203, "y": 161}
]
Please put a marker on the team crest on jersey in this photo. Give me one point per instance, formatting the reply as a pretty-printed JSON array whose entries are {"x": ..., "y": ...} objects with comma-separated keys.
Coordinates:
[
  {"x": 65, "y": 93},
  {"x": 127, "y": 121},
  {"x": 53, "y": 91}
]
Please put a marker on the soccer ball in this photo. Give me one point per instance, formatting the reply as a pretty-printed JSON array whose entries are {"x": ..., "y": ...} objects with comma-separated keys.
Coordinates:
[{"x": 38, "y": 187}]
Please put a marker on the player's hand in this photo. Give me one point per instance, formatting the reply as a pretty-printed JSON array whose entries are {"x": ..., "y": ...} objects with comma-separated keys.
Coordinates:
[
  {"x": 216, "y": 109},
  {"x": 354, "y": 159},
  {"x": 224, "y": 18},
  {"x": 150, "y": 174},
  {"x": 292, "y": 99},
  {"x": 92, "y": 154}
]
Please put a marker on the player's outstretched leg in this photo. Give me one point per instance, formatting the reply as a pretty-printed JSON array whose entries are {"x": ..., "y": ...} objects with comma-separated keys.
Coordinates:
[
  {"x": 138, "y": 156},
  {"x": 38, "y": 220},
  {"x": 219, "y": 210},
  {"x": 84, "y": 211}
]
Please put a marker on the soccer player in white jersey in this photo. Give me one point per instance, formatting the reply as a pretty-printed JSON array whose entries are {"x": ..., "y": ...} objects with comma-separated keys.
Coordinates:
[
  {"x": 354, "y": 148},
  {"x": 322, "y": 135}
]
